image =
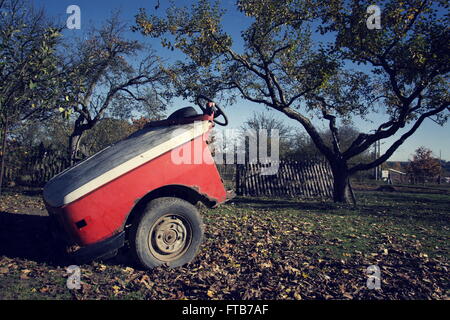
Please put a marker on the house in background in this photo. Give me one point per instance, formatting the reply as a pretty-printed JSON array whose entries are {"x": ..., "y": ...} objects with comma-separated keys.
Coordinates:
[{"x": 392, "y": 176}]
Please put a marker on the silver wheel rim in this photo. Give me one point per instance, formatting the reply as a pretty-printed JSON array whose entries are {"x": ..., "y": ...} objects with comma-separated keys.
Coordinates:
[{"x": 170, "y": 237}]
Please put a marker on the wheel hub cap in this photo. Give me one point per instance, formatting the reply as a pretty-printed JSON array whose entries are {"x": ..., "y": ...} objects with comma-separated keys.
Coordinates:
[{"x": 169, "y": 237}]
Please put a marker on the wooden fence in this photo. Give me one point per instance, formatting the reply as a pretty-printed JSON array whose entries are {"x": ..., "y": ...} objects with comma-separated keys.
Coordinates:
[
  {"x": 36, "y": 168},
  {"x": 309, "y": 179}
]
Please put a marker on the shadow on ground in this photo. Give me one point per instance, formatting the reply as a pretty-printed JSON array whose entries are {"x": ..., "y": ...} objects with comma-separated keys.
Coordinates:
[
  {"x": 378, "y": 204},
  {"x": 280, "y": 204},
  {"x": 28, "y": 236}
]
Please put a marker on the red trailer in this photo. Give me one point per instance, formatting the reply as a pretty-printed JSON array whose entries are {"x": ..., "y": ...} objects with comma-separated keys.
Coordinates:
[{"x": 137, "y": 192}]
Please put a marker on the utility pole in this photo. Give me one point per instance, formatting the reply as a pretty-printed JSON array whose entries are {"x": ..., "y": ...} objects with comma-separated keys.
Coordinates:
[
  {"x": 377, "y": 154},
  {"x": 375, "y": 158},
  {"x": 440, "y": 167}
]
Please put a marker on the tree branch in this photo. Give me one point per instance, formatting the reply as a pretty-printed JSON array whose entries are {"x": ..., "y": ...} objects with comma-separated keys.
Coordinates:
[{"x": 399, "y": 142}]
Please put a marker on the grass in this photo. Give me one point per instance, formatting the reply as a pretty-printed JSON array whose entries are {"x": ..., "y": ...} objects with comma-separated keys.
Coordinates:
[
  {"x": 377, "y": 216},
  {"x": 256, "y": 248}
]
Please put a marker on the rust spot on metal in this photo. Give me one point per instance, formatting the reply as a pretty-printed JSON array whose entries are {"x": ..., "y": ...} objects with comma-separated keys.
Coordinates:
[{"x": 214, "y": 202}]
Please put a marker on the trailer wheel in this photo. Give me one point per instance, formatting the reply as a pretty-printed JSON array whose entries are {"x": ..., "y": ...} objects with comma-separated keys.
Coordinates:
[{"x": 169, "y": 232}]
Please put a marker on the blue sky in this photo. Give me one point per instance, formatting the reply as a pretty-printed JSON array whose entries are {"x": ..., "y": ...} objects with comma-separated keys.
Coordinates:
[{"x": 430, "y": 134}]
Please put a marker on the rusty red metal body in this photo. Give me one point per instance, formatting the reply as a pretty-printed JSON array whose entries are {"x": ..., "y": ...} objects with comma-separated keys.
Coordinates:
[{"x": 97, "y": 208}]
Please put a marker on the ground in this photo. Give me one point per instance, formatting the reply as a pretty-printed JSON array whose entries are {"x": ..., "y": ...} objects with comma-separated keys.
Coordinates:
[{"x": 254, "y": 249}]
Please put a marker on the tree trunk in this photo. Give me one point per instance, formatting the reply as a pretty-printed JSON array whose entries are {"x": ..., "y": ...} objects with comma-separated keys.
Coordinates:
[
  {"x": 74, "y": 145},
  {"x": 2, "y": 170},
  {"x": 342, "y": 191},
  {"x": 75, "y": 138}
]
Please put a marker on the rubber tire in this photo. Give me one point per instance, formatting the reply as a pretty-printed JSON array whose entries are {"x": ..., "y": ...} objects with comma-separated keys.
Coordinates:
[{"x": 152, "y": 212}]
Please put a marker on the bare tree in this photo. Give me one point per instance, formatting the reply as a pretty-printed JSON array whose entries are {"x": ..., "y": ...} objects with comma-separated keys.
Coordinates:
[
  {"x": 112, "y": 76},
  {"x": 265, "y": 121}
]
